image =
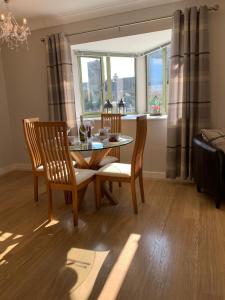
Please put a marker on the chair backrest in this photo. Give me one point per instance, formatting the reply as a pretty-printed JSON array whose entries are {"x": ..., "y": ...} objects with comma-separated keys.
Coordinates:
[
  {"x": 31, "y": 141},
  {"x": 114, "y": 122},
  {"x": 53, "y": 144},
  {"x": 141, "y": 132}
]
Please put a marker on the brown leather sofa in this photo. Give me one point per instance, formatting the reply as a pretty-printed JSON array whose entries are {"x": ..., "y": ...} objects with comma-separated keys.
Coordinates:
[{"x": 209, "y": 169}]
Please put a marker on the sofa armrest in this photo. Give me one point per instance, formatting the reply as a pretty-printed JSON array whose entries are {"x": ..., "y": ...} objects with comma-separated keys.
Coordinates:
[
  {"x": 208, "y": 166},
  {"x": 200, "y": 142}
]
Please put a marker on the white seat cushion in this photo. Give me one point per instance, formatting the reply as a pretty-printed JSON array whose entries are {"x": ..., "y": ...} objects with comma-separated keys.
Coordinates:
[
  {"x": 115, "y": 169},
  {"x": 106, "y": 160},
  {"x": 40, "y": 168},
  {"x": 83, "y": 174}
]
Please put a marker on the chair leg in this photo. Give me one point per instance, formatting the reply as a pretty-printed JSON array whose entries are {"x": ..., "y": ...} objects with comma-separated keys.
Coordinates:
[
  {"x": 120, "y": 184},
  {"x": 80, "y": 196},
  {"x": 134, "y": 198},
  {"x": 110, "y": 186},
  {"x": 75, "y": 208},
  {"x": 50, "y": 212},
  {"x": 98, "y": 192},
  {"x": 141, "y": 187},
  {"x": 36, "y": 188}
]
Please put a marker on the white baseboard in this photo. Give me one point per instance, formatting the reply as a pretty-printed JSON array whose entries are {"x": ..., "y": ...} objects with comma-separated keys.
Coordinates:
[
  {"x": 156, "y": 175},
  {"x": 6, "y": 169},
  {"x": 22, "y": 167},
  {"x": 27, "y": 167}
]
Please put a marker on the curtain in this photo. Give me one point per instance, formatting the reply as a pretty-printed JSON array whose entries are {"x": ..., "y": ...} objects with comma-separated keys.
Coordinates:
[
  {"x": 61, "y": 99},
  {"x": 189, "y": 97}
]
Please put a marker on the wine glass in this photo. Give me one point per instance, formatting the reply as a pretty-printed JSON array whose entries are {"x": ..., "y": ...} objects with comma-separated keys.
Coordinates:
[
  {"x": 92, "y": 126},
  {"x": 107, "y": 125}
]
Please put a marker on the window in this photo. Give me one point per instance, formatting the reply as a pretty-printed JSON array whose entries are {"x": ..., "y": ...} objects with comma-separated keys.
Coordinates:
[
  {"x": 107, "y": 77},
  {"x": 123, "y": 81},
  {"x": 158, "y": 62},
  {"x": 91, "y": 84}
]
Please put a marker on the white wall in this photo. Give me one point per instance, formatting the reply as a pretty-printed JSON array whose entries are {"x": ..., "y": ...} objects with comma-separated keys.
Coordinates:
[
  {"x": 6, "y": 151},
  {"x": 25, "y": 74}
]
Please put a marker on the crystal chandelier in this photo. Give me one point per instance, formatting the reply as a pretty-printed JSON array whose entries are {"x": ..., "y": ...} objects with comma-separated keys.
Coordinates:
[{"x": 11, "y": 33}]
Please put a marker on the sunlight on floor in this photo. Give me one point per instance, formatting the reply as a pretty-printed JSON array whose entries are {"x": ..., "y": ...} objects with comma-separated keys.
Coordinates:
[
  {"x": 7, "y": 237},
  {"x": 7, "y": 250},
  {"x": 52, "y": 223},
  {"x": 86, "y": 264},
  {"x": 4, "y": 236},
  {"x": 120, "y": 269},
  {"x": 46, "y": 224},
  {"x": 18, "y": 236}
]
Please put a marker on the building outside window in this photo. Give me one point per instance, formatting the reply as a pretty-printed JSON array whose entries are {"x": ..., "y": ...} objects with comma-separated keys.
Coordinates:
[
  {"x": 91, "y": 87},
  {"x": 158, "y": 64}
]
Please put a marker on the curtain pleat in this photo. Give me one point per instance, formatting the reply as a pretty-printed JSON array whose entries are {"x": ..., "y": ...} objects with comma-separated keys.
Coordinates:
[
  {"x": 189, "y": 100},
  {"x": 61, "y": 98}
]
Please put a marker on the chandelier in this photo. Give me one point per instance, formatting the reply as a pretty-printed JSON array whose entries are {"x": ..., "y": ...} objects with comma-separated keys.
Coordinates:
[{"x": 12, "y": 34}]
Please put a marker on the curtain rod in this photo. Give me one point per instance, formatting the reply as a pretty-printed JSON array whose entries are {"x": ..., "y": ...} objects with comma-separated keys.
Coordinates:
[{"x": 211, "y": 8}]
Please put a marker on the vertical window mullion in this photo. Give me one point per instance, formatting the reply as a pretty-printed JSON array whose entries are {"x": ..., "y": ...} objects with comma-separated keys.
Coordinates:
[
  {"x": 164, "y": 80},
  {"x": 103, "y": 82},
  {"x": 80, "y": 83},
  {"x": 109, "y": 81}
]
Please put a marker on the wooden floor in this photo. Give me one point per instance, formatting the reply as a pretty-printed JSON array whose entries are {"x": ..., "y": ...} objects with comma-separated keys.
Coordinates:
[{"x": 180, "y": 254}]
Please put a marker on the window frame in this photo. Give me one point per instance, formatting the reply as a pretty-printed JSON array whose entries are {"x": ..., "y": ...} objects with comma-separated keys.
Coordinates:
[
  {"x": 81, "y": 84},
  {"x": 104, "y": 77},
  {"x": 164, "y": 49}
]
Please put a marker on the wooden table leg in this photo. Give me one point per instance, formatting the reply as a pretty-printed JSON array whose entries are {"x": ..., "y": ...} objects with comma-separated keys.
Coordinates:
[
  {"x": 80, "y": 160},
  {"x": 67, "y": 197},
  {"x": 96, "y": 157},
  {"x": 109, "y": 196}
]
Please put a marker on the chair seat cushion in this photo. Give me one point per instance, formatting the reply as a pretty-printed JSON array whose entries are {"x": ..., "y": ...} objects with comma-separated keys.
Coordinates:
[
  {"x": 106, "y": 160},
  {"x": 40, "y": 168},
  {"x": 115, "y": 169},
  {"x": 83, "y": 174}
]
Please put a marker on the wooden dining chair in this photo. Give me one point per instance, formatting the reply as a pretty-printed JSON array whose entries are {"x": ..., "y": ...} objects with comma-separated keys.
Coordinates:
[
  {"x": 121, "y": 172},
  {"x": 58, "y": 165},
  {"x": 34, "y": 153},
  {"x": 114, "y": 122}
]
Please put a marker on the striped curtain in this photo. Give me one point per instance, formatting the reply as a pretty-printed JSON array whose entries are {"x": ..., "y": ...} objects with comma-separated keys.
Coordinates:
[
  {"x": 61, "y": 99},
  {"x": 189, "y": 101}
]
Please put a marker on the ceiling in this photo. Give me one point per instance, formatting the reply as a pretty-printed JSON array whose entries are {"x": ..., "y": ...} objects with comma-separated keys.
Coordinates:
[
  {"x": 135, "y": 44},
  {"x": 44, "y": 13}
]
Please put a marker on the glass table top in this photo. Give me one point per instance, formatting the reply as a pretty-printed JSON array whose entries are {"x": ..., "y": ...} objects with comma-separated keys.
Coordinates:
[{"x": 95, "y": 143}]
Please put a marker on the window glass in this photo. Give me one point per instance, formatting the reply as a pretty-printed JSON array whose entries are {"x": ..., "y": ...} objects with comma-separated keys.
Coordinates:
[
  {"x": 158, "y": 69},
  {"x": 91, "y": 84},
  {"x": 123, "y": 81},
  {"x": 155, "y": 82}
]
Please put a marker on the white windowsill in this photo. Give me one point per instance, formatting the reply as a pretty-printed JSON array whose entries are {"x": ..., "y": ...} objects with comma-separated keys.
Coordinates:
[{"x": 130, "y": 117}]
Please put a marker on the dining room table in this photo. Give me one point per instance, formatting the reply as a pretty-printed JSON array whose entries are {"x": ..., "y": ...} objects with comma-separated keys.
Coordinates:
[{"x": 99, "y": 147}]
